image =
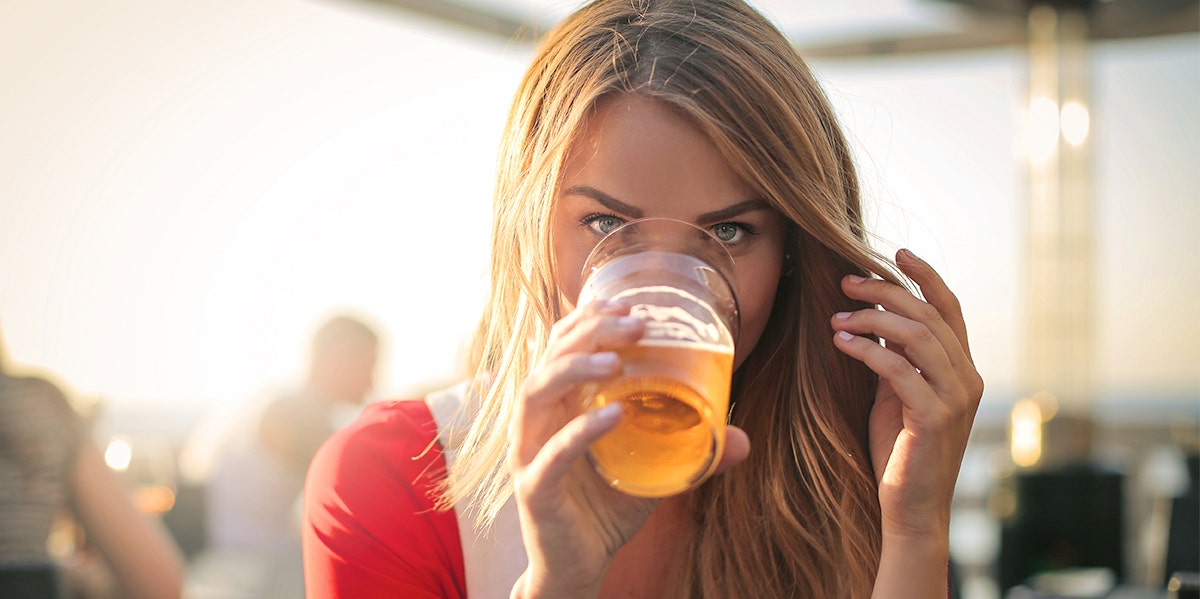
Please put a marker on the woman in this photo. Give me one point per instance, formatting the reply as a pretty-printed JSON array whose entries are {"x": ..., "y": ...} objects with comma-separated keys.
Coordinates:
[{"x": 698, "y": 110}]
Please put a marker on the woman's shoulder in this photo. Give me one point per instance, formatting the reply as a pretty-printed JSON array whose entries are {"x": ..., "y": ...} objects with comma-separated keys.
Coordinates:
[
  {"x": 393, "y": 434},
  {"x": 402, "y": 414},
  {"x": 388, "y": 458},
  {"x": 373, "y": 524}
]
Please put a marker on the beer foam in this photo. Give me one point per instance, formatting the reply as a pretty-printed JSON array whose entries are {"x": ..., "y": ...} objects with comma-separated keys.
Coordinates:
[
  {"x": 676, "y": 323},
  {"x": 701, "y": 346}
]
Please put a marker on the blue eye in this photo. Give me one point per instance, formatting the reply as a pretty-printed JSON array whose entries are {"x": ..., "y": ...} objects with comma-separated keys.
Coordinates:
[
  {"x": 602, "y": 224},
  {"x": 731, "y": 233}
]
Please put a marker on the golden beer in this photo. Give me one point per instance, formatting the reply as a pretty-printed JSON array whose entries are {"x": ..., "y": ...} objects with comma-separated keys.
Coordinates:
[
  {"x": 675, "y": 398},
  {"x": 674, "y": 383}
]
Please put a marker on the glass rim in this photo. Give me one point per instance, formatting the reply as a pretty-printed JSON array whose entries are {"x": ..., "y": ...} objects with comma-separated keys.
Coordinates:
[
  {"x": 724, "y": 252},
  {"x": 725, "y": 271}
]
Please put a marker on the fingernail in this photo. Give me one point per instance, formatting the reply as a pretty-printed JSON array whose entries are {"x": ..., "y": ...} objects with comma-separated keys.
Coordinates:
[
  {"x": 603, "y": 360},
  {"x": 855, "y": 279},
  {"x": 842, "y": 315},
  {"x": 629, "y": 322},
  {"x": 608, "y": 305},
  {"x": 844, "y": 336},
  {"x": 907, "y": 253},
  {"x": 609, "y": 413}
]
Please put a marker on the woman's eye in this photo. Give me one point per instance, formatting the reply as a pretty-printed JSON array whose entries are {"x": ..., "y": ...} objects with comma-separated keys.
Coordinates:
[
  {"x": 603, "y": 223},
  {"x": 728, "y": 232}
]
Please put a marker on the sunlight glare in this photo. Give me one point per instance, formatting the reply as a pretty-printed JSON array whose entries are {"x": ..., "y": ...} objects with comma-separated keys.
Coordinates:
[
  {"x": 1026, "y": 433},
  {"x": 1075, "y": 123},
  {"x": 119, "y": 453}
]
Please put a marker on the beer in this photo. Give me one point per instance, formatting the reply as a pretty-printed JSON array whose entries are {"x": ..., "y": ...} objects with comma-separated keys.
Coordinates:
[
  {"x": 675, "y": 397},
  {"x": 674, "y": 383}
]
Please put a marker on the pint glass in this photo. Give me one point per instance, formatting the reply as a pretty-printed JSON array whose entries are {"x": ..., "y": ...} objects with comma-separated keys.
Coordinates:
[{"x": 674, "y": 383}]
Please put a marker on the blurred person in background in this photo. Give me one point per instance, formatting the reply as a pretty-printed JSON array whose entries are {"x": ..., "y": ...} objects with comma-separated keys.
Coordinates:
[
  {"x": 259, "y": 469},
  {"x": 49, "y": 465}
]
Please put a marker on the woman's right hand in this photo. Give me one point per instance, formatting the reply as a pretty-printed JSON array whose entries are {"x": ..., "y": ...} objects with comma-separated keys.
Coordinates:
[{"x": 572, "y": 521}]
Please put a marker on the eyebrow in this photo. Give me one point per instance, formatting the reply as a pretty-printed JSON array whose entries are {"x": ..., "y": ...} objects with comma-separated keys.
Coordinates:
[
  {"x": 717, "y": 216},
  {"x": 608, "y": 201},
  {"x": 634, "y": 212}
]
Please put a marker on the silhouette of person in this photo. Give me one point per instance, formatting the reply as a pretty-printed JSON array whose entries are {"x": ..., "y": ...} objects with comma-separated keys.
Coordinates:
[
  {"x": 260, "y": 467},
  {"x": 49, "y": 464}
]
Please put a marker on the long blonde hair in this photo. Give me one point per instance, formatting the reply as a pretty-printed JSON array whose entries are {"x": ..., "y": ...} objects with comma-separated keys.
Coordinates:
[{"x": 801, "y": 516}]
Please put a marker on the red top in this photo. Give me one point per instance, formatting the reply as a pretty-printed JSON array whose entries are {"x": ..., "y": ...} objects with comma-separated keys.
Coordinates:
[{"x": 370, "y": 526}]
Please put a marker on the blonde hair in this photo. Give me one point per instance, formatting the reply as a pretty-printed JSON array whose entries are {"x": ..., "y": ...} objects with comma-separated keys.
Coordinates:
[{"x": 801, "y": 516}]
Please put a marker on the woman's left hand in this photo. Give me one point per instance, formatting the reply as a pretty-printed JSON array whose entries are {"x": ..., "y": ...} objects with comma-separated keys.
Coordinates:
[{"x": 928, "y": 393}]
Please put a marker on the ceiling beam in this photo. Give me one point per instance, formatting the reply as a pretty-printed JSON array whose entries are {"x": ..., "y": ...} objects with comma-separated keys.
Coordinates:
[
  {"x": 472, "y": 17},
  {"x": 986, "y": 29}
]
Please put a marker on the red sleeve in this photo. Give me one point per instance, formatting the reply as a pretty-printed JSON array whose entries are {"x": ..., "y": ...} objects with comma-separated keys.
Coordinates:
[{"x": 370, "y": 525}]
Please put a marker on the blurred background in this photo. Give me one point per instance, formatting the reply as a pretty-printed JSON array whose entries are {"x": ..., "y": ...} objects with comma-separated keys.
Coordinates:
[{"x": 188, "y": 188}]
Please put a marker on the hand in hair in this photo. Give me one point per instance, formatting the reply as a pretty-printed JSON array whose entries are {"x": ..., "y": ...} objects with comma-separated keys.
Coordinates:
[
  {"x": 928, "y": 394},
  {"x": 573, "y": 523}
]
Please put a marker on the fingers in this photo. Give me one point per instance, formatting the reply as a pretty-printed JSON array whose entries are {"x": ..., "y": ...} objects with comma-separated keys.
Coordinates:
[
  {"x": 936, "y": 292},
  {"x": 926, "y": 340},
  {"x": 912, "y": 388},
  {"x": 581, "y": 313},
  {"x": 909, "y": 340},
  {"x": 939, "y": 295},
  {"x": 574, "y": 357},
  {"x": 737, "y": 449},
  {"x": 576, "y": 353},
  {"x": 547, "y": 432},
  {"x": 570, "y": 443},
  {"x": 594, "y": 327},
  {"x": 898, "y": 300},
  {"x": 542, "y": 410}
]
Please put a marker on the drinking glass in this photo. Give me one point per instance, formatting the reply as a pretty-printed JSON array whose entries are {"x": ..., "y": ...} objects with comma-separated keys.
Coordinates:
[{"x": 674, "y": 382}]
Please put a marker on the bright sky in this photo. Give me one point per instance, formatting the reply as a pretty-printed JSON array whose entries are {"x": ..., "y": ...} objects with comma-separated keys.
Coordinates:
[{"x": 188, "y": 187}]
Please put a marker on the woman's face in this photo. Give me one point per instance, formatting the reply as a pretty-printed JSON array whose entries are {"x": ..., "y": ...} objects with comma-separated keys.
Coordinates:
[{"x": 635, "y": 159}]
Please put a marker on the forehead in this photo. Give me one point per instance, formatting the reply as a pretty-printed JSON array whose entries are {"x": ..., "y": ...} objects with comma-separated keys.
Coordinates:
[{"x": 644, "y": 153}]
